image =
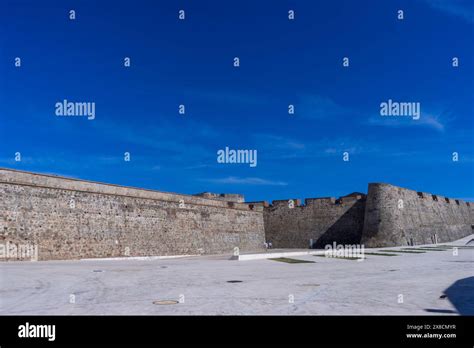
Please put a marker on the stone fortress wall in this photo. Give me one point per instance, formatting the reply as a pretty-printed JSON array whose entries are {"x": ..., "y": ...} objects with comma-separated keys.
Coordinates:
[
  {"x": 398, "y": 216},
  {"x": 387, "y": 216},
  {"x": 320, "y": 221},
  {"x": 71, "y": 219}
]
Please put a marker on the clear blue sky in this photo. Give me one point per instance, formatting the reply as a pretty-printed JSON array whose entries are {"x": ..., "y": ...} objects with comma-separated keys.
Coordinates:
[{"x": 282, "y": 62}]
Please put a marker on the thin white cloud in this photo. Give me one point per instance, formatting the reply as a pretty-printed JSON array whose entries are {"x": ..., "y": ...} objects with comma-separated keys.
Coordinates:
[
  {"x": 344, "y": 148},
  {"x": 427, "y": 120},
  {"x": 234, "y": 180},
  {"x": 28, "y": 160},
  {"x": 279, "y": 142},
  {"x": 318, "y": 107},
  {"x": 432, "y": 121},
  {"x": 171, "y": 141},
  {"x": 234, "y": 97},
  {"x": 459, "y": 8},
  {"x": 278, "y": 148}
]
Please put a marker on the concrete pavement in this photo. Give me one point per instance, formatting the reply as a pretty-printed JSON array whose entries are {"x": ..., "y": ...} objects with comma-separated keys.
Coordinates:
[{"x": 433, "y": 282}]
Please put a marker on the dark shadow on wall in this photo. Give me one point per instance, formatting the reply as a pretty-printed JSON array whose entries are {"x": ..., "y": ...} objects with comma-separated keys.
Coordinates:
[
  {"x": 347, "y": 229},
  {"x": 461, "y": 295}
]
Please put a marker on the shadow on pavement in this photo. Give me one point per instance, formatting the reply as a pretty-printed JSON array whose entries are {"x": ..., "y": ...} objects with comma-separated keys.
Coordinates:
[
  {"x": 461, "y": 295},
  {"x": 444, "y": 311}
]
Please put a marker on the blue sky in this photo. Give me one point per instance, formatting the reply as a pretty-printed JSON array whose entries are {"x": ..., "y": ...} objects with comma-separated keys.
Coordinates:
[{"x": 282, "y": 62}]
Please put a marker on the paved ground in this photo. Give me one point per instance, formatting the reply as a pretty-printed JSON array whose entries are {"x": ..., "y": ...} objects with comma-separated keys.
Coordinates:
[{"x": 326, "y": 287}]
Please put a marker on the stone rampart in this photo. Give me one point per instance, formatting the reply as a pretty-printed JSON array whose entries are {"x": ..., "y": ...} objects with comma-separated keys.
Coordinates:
[
  {"x": 320, "y": 221},
  {"x": 72, "y": 219},
  {"x": 399, "y": 216}
]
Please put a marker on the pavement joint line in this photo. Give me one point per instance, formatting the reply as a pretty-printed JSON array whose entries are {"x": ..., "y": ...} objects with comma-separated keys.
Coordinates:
[
  {"x": 270, "y": 255},
  {"x": 139, "y": 258}
]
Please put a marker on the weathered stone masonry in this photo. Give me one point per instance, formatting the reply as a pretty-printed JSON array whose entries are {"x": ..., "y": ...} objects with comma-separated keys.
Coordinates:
[
  {"x": 398, "y": 216},
  {"x": 71, "y": 219},
  {"x": 318, "y": 222},
  {"x": 387, "y": 216}
]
